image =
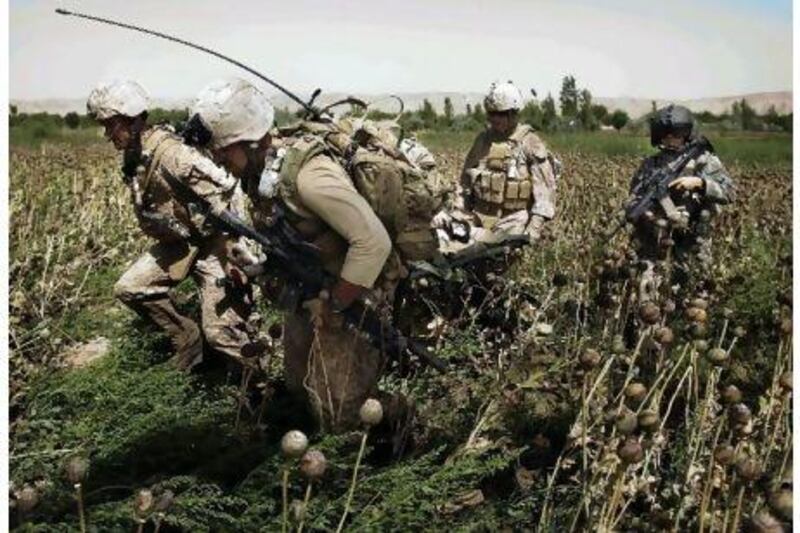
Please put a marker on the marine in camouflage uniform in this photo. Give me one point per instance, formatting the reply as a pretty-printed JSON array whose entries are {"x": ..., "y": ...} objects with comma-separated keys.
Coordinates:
[
  {"x": 676, "y": 234},
  {"x": 332, "y": 369},
  {"x": 184, "y": 245},
  {"x": 509, "y": 180}
]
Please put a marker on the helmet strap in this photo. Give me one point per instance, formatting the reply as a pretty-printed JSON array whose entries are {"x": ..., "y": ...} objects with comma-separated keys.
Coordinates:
[{"x": 132, "y": 157}]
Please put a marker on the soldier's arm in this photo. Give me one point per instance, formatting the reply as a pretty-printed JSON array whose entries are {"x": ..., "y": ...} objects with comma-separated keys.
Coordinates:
[
  {"x": 204, "y": 177},
  {"x": 221, "y": 190},
  {"x": 719, "y": 186},
  {"x": 325, "y": 189},
  {"x": 544, "y": 170},
  {"x": 465, "y": 182}
]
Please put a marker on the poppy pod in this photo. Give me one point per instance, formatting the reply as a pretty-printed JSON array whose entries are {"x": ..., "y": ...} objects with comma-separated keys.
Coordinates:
[
  {"x": 313, "y": 464},
  {"x": 717, "y": 355},
  {"x": 748, "y": 469},
  {"x": 635, "y": 392},
  {"x": 77, "y": 468},
  {"x": 27, "y": 499},
  {"x": 371, "y": 412},
  {"x": 649, "y": 313},
  {"x": 724, "y": 454},
  {"x": 294, "y": 443},
  {"x": 739, "y": 413},
  {"x": 731, "y": 395},
  {"x": 699, "y": 303},
  {"x": 143, "y": 504},
  {"x": 664, "y": 336},
  {"x": 626, "y": 422},
  {"x": 630, "y": 452},
  {"x": 701, "y": 345},
  {"x": 648, "y": 419},
  {"x": 589, "y": 358}
]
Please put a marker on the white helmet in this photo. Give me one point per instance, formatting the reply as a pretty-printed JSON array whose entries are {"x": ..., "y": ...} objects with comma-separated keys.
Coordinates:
[
  {"x": 503, "y": 97},
  {"x": 118, "y": 97},
  {"x": 233, "y": 110}
]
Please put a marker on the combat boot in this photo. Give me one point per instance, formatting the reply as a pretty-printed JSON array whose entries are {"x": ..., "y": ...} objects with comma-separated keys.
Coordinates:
[
  {"x": 395, "y": 429},
  {"x": 188, "y": 348}
]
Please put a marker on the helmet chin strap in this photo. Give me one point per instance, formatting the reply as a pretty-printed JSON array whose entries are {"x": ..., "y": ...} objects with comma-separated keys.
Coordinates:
[
  {"x": 132, "y": 156},
  {"x": 252, "y": 171}
]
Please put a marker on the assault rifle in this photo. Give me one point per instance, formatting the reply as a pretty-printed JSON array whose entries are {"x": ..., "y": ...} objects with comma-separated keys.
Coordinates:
[
  {"x": 469, "y": 257},
  {"x": 654, "y": 187},
  {"x": 290, "y": 257}
]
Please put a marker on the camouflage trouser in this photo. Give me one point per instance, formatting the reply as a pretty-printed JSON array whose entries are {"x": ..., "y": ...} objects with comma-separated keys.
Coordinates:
[
  {"x": 690, "y": 258},
  {"x": 145, "y": 287},
  {"x": 334, "y": 370}
]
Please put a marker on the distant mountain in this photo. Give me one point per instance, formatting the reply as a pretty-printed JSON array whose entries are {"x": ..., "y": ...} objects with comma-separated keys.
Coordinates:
[
  {"x": 635, "y": 107},
  {"x": 761, "y": 102}
]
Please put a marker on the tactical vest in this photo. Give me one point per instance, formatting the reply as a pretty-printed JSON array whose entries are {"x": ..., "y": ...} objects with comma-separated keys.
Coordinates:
[
  {"x": 159, "y": 214},
  {"x": 501, "y": 181},
  {"x": 690, "y": 205},
  {"x": 393, "y": 179}
]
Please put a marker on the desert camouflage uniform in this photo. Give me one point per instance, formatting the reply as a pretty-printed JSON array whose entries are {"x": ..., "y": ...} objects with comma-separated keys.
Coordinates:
[
  {"x": 508, "y": 186},
  {"x": 682, "y": 238},
  {"x": 332, "y": 368},
  {"x": 184, "y": 247}
]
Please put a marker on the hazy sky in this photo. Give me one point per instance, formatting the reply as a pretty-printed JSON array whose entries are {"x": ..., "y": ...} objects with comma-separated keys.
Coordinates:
[{"x": 665, "y": 49}]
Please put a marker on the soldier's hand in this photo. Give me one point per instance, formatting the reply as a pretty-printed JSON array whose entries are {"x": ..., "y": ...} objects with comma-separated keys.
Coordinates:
[
  {"x": 321, "y": 311},
  {"x": 344, "y": 293},
  {"x": 235, "y": 275},
  {"x": 534, "y": 228},
  {"x": 687, "y": 183},
  {"x": 240, "y": 255},
  {"x": 441, "y": 220}
]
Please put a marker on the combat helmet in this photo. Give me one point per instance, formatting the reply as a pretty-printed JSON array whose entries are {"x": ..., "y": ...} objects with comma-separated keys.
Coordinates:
[
  {"x": 674, "y": 119},
  {"x": 233, "y": 110},
  {"x": 119, "y": 97},
  {"x": 503, "y": 97}
]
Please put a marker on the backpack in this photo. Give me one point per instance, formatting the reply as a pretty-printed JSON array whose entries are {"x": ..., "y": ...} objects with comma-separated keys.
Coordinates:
[{"x": 399, "y": 180}]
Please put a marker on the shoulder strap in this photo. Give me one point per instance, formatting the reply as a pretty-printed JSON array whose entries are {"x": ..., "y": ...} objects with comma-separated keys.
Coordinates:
[
  {"x": 162, "y": 144},
  {"x": 298, "y": 153}
]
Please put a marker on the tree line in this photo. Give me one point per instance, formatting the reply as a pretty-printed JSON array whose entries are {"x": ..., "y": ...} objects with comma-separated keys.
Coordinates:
[{"x": 574, "y": 110}]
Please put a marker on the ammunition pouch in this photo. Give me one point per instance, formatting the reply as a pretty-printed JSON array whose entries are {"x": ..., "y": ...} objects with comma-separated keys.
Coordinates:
[{"x": 497, "y": 194}]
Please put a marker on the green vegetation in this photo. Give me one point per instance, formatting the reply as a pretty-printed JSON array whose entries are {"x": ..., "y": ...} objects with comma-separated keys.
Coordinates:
[
  {"x": 578, "y": 113},
  {"x": 75, "y": 129},
  {"x": 740, "y": 147},
  {"x": 498, "y": 442},
  {"x": 32, "y": 130},
  {"x": 578, "y": 116}
]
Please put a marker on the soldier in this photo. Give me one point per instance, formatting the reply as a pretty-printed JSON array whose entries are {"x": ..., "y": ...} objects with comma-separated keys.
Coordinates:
[
  {"x": 509, "y": 179},
  {"x": 332, "y": 369},
  {"x": 677, "y": 228},
  {"x": 184, "y": 246}
]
